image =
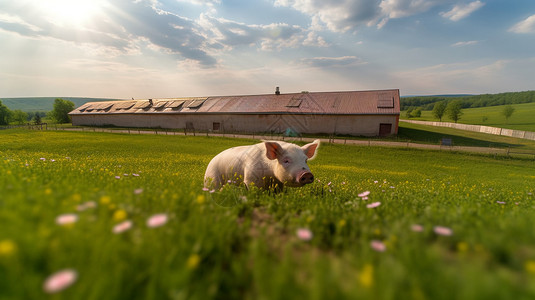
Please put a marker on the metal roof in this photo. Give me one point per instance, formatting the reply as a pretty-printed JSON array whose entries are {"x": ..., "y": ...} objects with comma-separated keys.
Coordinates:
[{"x": 381, "y": 102}]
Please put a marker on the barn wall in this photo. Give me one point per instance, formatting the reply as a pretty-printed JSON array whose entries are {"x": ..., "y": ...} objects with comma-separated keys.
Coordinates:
[{"x": 366, "y": 125}]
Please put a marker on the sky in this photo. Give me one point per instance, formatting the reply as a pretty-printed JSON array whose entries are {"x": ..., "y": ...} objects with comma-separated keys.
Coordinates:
[{"x": 175, "y": 48}]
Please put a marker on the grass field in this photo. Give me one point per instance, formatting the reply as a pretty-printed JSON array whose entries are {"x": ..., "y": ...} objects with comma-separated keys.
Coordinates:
[
  {"x": 437, "y": 225},
  {"x": 522, "y": 119}
]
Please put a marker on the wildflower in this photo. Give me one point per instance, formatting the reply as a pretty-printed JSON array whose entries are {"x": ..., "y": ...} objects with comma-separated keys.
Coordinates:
[
  {"x": 42, "y": 159},
  {"x": 343, "y": 182},
  {"x": 205, "y": 189},
  {"x": 7, "y": 247},
  {"x": 212, "y": 191},
  {"x": 375, "y": 181},
  {"x": 200, "y": 199},
  {"x": 462, "y": 247},
  {"x": 135, "y": 175},
  {"x": 119, "y": 215},
  {"x": 122, "y": 227},
  {"x": 328, "y": 184},
  {"x": 304, "y": 234},
  {"x": 117, "y": 177},
  {"x": 193, "y": 261},
  {"x": 364, "y": 194},
  {"x": 378, "y": 246},
  {"x": 441, "y": 230},
  {"x": 52, "y": 160},
  {"x": 366, "y": 276},
  {"x": 105, "y": 200},
  {"x": 529, "y": 266},
  {"x": 342, "y": 223},
  {"x": 373, "y": 205},
  {"x": 138, "y": 191},
  {"x": 86, "y": 205},
  {"x": 60, "y": 280},
  {"x": 66, "y": 219},
  {"x": 500, "y": 202},
  {"x": 157, "y": 220},
  {"x": 417, "y": 228}
]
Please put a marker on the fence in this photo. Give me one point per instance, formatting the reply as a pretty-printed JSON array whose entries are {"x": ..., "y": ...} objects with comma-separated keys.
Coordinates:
[{"x": 480, "y": 128}]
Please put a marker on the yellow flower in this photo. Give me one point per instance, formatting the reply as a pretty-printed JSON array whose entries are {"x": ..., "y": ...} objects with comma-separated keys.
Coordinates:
[
  {"x": 462, "y": 247},
  {"x": 48, "y": 191},
  {"x": 342, "y": 223},
  {"x": 200, "y": 199},
  {"x": 193, "y": 261},
  {"x": 105, "y": 200},
  {"x": 119, "y": 215},
  {"x": 530, "y": 266},
  {"x": 366, "y": 276},
  {"x": 7, "y": 247}
]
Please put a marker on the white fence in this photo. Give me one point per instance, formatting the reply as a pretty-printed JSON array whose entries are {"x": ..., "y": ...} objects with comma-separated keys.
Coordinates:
[{"x": 480, "y": 128}]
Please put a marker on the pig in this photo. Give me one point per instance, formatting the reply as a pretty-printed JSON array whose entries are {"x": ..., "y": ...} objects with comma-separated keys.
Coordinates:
[{"x": 270, "y": 164}]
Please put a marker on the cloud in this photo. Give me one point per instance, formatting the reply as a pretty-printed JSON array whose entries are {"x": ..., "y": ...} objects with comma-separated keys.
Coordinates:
[
  {"x": 325, "y": 62},
  {"x": 348, "y": 15},
  {"x": 229, "y": 34},
  {"x": 461, "y": 11},
  {"x": 468, "y": 43},
  {"x": 526, "y": 26}
]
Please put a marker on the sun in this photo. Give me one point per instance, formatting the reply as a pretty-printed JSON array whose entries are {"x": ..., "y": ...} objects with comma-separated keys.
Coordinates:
[{"x": 70, "y": 12}]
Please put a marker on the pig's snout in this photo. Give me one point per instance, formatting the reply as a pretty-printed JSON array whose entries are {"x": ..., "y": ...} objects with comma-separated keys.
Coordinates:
[{"x": 305, "y": 178}]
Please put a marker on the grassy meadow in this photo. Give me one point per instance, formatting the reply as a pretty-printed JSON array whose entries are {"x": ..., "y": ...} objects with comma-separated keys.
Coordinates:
[
  {"x": 522, "y": 118},
  {"x": 435, "y": 225}
]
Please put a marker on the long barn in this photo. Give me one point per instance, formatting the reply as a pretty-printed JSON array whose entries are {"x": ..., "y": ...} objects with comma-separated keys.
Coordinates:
[{"x": 357, "y": 113}]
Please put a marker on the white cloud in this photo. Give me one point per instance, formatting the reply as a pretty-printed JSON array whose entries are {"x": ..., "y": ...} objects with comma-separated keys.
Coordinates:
[
  {"x": 461, "y": 11},
  {"x": 348, "y": 15},
  {"x": 468, "y": 43},
  {"x": 325, "y": 62},
  {"x": 229, "y": 34},
  {"x": 526, "y": 26}
]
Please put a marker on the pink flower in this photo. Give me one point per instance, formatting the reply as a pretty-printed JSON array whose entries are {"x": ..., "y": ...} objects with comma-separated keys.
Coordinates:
[
  {"x": 86, "y": 205},
  {"x": 417, "y": 228},
  {"x": 138, "y": 191},
  {"x": 364, "y": 198},
  {"x": 205, "y": 189},
  {"x": 117, "y": 177},
  {"x": 66, "y": 219},
  {"x": 441, "y": 230},
  {"x": 373, "y": 205},
  {"x": 378, "y": 246},
  {"x": 60, "y": 280},
  {"x": 304, "y": 234},
  {"x": 122, "y": 227},
  {"x": 500, "y": 202},
  {"x": 364, "y": 194},
  {"x": 157, "y": 220},
  {"x": 42, "y": 158},
  {"x": 135, "y": 175}
]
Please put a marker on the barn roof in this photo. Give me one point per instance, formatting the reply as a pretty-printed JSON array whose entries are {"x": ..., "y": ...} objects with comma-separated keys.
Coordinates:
[{"x": 354, "y": 102}]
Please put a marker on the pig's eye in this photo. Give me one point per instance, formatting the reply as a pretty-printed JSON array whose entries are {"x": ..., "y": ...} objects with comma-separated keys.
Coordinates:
[{"x": 286, "y": 161}]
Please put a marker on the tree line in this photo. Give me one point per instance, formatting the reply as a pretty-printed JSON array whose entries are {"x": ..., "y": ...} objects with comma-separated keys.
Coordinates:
[
  {"x": 59, "y": 114},
  {"x": 484, "y": 100}
]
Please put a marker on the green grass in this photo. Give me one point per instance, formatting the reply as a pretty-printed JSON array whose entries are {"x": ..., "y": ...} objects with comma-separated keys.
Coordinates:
[
  {"x": 522, "y": 118},
  {"x": 241, "y": 243},
  {"x": 432, "y": 135}
]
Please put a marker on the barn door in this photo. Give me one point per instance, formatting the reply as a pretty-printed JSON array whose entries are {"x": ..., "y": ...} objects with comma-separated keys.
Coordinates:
[{"x": 385, "y": 129}]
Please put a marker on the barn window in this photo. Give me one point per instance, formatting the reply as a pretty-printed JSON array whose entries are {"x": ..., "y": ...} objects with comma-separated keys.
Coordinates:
[
  {"x": 216, "y": 126},
  {"x": 196, "y": 103},
  {"x": 176, "y": 105},
  {"x": 294, "y": 102},
  {"x": 385, "y": 100},
  {"x": 160, "y": 105}
]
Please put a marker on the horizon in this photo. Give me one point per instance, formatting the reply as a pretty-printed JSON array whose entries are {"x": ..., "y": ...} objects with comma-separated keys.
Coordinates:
[{"x": 144, "y": 49}]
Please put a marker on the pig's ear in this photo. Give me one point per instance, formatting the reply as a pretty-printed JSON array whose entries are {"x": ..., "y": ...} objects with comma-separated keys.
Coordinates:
[
  {"x": 273, "y": 150},
  {"x": 311, "y": 149}
]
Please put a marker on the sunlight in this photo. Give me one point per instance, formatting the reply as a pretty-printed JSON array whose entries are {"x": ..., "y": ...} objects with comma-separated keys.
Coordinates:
[{"x": 70, "y": 12}]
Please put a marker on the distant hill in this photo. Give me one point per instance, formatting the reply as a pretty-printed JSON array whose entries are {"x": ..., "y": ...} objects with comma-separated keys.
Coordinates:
[{"x": 33, "y": 104}]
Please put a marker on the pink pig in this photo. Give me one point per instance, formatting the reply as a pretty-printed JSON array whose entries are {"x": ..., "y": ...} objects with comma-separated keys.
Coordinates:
[{"x": 264, "y": 165}]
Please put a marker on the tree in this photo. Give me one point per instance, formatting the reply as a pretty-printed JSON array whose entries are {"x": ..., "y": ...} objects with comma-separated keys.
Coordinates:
[
  {"x": 37, "y": 119},
  {"x": 19, "y": 116},
  {"x": 439, "y": 109},
  {"x": 454, "y": 110},
  {"x": 5, "y": 114},
  {"x": 61, "y": 110},
  {"x": 507, "y": 112}
]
